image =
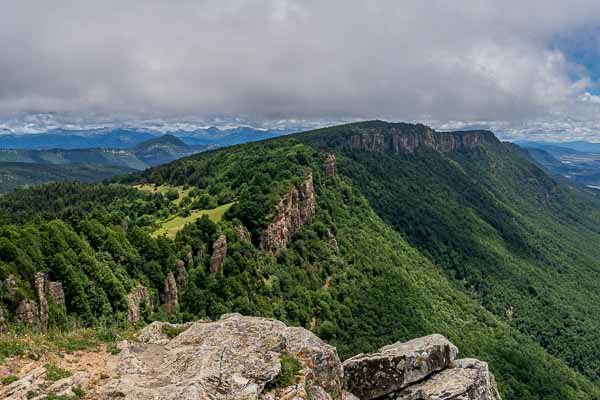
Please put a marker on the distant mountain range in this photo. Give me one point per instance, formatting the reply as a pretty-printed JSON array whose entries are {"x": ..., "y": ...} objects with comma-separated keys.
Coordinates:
[
  {"x": 152, "y": 152},
  {"x": 127, "y": 138},
  {"x": 33, "y": 166},
  {"x": 17, "y": 174}
]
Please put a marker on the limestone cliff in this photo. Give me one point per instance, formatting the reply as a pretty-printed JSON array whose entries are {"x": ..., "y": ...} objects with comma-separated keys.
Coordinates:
[
  {"x": 36, "y": 313},
  {"x": 294, "y": 210},
  {"x": 170, "y": 295},
  {"x": 140, "y": 296},
  {"x": 380, "y": 136},
  {"x": 242, "y": 358},
  {"x": 182, "y": 274},
  {"x": 217, "y": 260}
]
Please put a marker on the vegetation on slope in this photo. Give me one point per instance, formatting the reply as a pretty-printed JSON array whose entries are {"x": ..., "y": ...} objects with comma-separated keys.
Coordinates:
[
  {"x": 376, "y": 286},
  {"x": 15, "y": 174}
]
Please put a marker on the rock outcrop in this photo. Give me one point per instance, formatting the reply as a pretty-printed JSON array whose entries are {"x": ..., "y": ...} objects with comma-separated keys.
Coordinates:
[
  {"x": 27, "y": 313},
  {"x": 182, "y": 274},
  {"x": 140, "y": 296},
  {"x": 421, "y": 369},
  {"x": 329, "y": 166},
  {"x": 56, "y": 293},
  {"x": 467, "y": 379},
  {"x": 394, "y": 367},
  {"x": 406, "y": 138},
  {"x": 36, "y": 314},
  {"x": 3, "y": 325},
  {"x": 43, "y": 311},
  {"x": 170, "y": 295},
  {"x": 242, "y": 234},
  {"x": 217, "y": 260},
  {"x": 10, "y": 285},
  {"x": 292, "y": 212},
  {"x": 243, "y": 358},
  {"x": 233, "y": 358}
]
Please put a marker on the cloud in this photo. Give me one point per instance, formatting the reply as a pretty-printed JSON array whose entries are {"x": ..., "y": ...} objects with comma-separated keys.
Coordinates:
[{"x": 473, "y": 60}]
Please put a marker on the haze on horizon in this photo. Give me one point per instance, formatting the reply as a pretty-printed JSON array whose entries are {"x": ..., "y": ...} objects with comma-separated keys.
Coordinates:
[{"x": 520, "y": 68}]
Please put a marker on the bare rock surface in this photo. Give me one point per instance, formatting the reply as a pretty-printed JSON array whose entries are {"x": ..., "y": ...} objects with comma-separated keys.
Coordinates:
[
  {"x": 233, "y": 358},
  {"x": 27, "y": 313},
  {"x": 43, "y": 311},
  {"x": 182, "y": 274},
  {"x": 466, "y": 379},
  {"x": 293, "y": 211},
  {"x": 217, "y": 260},
  {"x": 329, "y": 165},
  {"x": 407, "y": 138},
  {"x": 170, "y": 295},
  {"x": 56, "y": 293},
  {"x": 240, "y": 358},
  {"x": 140, "y": 296},
  {"x": 396, "y": 366}
]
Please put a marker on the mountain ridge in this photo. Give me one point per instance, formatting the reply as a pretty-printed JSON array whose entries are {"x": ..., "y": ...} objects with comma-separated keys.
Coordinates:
[{"x": 401, "y": 244}]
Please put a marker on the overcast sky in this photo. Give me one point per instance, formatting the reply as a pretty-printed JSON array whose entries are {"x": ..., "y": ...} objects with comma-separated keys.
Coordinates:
[{"x": 522, "y": 66}]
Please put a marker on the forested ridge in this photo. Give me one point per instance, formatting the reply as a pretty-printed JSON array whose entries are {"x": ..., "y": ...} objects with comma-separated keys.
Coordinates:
[{"x": 468, "y": 239}]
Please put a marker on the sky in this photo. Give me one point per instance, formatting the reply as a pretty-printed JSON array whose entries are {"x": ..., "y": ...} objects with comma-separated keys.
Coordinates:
[{"x": 526, "y": 69}]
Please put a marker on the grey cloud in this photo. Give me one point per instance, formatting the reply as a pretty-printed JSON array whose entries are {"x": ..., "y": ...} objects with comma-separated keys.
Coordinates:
[{"x": 467, "y": 60}]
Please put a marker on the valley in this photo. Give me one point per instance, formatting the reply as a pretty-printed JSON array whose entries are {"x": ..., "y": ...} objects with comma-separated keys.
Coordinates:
[{"x": 366, "y": 234}]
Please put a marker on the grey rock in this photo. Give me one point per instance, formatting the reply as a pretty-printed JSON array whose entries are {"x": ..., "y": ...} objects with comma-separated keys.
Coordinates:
[
  {"x": 466, "y": 379},
  {"x": 242, "y": 234},
  {"x": 10, "y": 285},
  {"x": 406, "y": 139},
  {"x": 154, "y": 333},
  {"x": 170, "y": 295},
  {"x": 397, "y": 366},
  {"x": 217, "y": 261},
  {"x": 43, "y": 311},
  {"x": 18, "y": 390},
  {"x": 139, "y": 296},
  {"x": 27, "y": 313},
  {"x": 182, "y": 274},
  {"x": 293, "y": 211},
  {"x": 329, "y": 165},
  {"x": 233, "y": 358},
  {"x": 56, "y": 293}
]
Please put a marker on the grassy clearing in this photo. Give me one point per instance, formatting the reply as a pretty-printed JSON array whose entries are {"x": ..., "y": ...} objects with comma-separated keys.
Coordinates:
[
  {"x": 163, "y": 189},
  {"x": 174, "y": 224}
]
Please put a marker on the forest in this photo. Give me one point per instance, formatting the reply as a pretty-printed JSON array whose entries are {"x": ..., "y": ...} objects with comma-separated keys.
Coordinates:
[{"x": 480, "y": 245}]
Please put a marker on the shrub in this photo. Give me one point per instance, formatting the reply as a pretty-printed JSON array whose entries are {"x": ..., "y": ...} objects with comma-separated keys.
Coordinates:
[
  {"x": 54, "y": 373},
  {"x": 7, "y": 380},
  {"x": 289, "y": 373}
]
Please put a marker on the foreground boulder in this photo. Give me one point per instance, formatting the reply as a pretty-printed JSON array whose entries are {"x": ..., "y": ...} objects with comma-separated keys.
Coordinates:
[
  {"x": 234, "y": 358},
  {"x": 394, "y": 367},
  {"x": 466, "y": 379},
  {"x": 250, "y": 358}
]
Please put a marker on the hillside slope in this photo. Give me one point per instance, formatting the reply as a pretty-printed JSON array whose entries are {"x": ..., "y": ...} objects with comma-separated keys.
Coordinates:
[
  {"x": 13, "y": 174},
  {"x": 395, "y": 244},
  {"x": 518, "y": 241}
]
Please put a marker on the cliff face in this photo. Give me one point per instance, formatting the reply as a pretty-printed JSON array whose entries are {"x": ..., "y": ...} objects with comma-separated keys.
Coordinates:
[
  {"x": 407, "y": 141},
  {"x": 242, "y": 358},
  {"x": 401, "y": 138},
  {"x": 217, "y": 260},
  {"x": 293, "y": 211},
  {"x": 36, "y": 314}
]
